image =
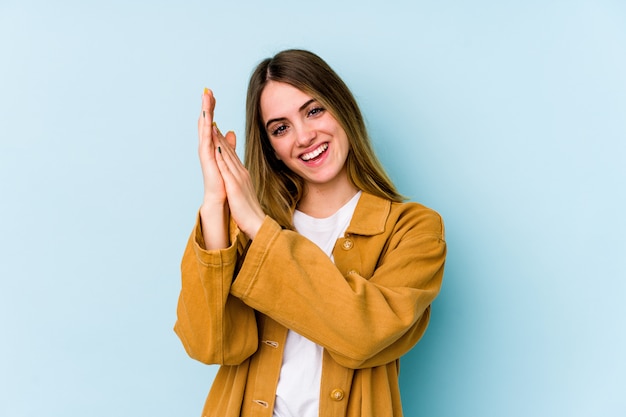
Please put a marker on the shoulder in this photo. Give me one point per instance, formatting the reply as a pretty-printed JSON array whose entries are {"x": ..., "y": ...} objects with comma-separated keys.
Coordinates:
[
  {"x": 418, "y": 216},
  {"x": 376, "y": 215}
]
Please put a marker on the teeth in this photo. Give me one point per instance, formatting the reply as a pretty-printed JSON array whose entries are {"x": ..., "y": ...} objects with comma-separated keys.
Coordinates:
[{"x": 315, "y": 153}]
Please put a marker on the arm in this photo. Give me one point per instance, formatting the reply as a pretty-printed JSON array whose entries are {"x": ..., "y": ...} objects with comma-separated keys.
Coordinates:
[
  {"x": 214, "y": 211},
  {"x": 366, "y": 316},
  {"x": 214, "y": 326}
]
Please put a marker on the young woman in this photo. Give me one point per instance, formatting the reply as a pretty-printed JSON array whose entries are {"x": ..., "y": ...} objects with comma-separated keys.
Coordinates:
[{"x": 306, "y": 277}]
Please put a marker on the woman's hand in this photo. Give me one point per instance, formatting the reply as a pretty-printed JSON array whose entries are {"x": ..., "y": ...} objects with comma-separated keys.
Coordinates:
[
  {"x": 227, "y": 182},
  {"x": 214, "y": 191},
  {"x": 242, "y": 200},
  {"x": 214, "y": 213}
]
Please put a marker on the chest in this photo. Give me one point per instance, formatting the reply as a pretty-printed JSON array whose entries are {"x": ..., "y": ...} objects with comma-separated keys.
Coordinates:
[{"x": 360, "y": 254}]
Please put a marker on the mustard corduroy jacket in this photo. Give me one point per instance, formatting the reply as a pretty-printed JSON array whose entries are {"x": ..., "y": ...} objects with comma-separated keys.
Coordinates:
[{"x": 366, "y": 309}]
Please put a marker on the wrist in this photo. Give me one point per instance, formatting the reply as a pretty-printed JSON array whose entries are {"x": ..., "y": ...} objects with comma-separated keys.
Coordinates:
[
  {"x": 254, "y": 225},
  {"x": 214, "y": 220},
  {"x": 213, "y": 206}
]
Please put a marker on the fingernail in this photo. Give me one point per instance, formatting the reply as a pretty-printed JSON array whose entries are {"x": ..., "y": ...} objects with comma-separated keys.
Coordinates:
[
  {"x": 206, "y": 90},
  {"x": 219, "y": 149},
  {"x": 203, "y": 115}
]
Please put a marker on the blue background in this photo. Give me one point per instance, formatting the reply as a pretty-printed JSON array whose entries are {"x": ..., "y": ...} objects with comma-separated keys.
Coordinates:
[{"x": 507, "y": 117}]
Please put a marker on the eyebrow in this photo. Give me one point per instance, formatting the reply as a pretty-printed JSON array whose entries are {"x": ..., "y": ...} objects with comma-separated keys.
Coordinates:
[{"x": 304, "y": 106}]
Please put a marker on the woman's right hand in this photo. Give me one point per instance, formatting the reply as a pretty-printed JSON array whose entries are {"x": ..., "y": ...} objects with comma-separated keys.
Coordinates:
[
  {"x": 214, "y": 191},
  {"x": 214, "y": 212}
]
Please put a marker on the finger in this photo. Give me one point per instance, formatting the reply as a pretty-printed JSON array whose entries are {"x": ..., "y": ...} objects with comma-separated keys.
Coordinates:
[
  {"x": 232, "y": 169},
  {"x": 217, "y": 134},
  {"x": 208, "y": 105},
  {"x": 224, "y": 167},
  {"x": 228, "y": 151},
  {"x": 206, "y": 114},
  {"x": 231, "y": 139},
  {"x": 205, "y": 122},
  {"x": 219, "y": 140}
]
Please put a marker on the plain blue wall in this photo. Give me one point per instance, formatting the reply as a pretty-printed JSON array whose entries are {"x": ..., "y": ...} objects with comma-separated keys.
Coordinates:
[{"x": 509, "y": 118}]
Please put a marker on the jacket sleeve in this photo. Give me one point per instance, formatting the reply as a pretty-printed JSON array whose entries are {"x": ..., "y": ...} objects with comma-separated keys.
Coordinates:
[
  {"x": 363, "y": 318},
  {"x": 213, "y": 326}
]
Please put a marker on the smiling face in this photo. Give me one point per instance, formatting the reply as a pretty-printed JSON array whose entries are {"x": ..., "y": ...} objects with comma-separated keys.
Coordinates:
[{"x": 305, "y": 135}]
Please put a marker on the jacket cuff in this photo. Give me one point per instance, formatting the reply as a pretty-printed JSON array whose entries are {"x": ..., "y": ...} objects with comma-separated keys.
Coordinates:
[
  {"x": 214, "y": 257},
  {"x": 255, "y": 256}
]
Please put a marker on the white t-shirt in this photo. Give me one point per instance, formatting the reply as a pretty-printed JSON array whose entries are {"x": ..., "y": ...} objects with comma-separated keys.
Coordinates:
[{"x": 298, "y": 391}]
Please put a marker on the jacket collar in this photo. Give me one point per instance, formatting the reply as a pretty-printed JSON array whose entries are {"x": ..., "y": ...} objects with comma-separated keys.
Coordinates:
[{"x": 370, "y": 215}]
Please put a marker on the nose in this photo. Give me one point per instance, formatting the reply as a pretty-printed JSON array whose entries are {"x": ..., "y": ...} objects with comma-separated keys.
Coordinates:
[{"x": 306, "y": 135}]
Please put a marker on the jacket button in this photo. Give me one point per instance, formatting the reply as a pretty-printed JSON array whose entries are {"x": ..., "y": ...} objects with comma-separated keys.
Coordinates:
[
  {"x": 337, "y": 394},
  {"x": 347, "y": 244}
]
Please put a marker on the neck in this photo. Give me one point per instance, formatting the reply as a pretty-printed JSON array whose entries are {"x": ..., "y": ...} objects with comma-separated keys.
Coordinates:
[{"x": 323, "y": 200}]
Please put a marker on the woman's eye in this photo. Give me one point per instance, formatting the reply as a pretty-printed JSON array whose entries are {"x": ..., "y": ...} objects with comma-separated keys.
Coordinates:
[
  {"x": 279, "y": 130},
  {"x": 315, "y": 111}
]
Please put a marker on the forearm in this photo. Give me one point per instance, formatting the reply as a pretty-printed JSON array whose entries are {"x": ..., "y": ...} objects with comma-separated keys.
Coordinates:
[
  {"x": 385, "y": 305},
  {"x": 214, "y": 219},
  {"x": 213, "y": 326}
]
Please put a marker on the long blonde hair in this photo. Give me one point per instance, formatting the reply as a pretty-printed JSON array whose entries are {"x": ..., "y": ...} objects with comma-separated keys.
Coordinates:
[{"x": 277, "y": 187}]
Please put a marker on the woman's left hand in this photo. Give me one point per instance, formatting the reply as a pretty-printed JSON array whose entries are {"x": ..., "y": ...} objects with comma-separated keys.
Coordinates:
[{"x": 244, "y": 205}]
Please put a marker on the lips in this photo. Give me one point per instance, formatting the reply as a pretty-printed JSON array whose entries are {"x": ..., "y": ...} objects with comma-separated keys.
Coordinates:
[{"x": 314, "y": 153}]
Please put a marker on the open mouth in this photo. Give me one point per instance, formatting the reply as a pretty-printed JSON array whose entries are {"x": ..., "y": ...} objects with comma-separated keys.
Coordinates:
[{"x": 310, "y": 156}]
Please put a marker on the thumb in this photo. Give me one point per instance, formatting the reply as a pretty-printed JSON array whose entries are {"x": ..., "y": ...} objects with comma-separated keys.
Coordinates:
[{"x": 231, "y": 139}]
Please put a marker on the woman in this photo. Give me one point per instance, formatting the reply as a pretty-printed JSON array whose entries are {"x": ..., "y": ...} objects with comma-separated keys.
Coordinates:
[{"x": 306, "y": 277}]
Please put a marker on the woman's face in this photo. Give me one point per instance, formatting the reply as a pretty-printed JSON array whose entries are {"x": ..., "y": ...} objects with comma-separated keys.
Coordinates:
[{"x": 304, "y": 135}]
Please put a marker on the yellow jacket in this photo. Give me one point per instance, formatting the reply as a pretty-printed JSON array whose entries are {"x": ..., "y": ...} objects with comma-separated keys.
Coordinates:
[{"x": 366, "y": 309}]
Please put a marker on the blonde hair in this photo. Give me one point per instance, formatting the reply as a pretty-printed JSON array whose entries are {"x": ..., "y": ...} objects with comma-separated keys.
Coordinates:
[{"x": 277, "y": 187}]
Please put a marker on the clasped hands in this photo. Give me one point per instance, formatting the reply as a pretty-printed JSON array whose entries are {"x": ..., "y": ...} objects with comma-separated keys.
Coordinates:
[{"x": 227, "y": 184}]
